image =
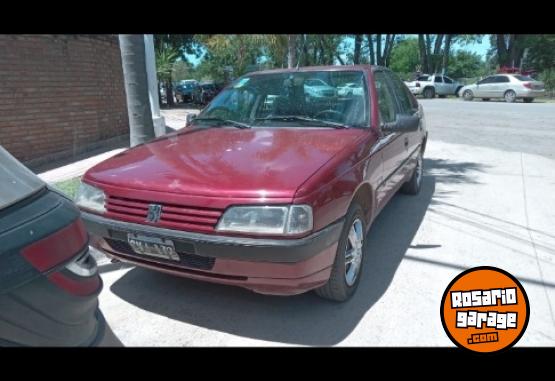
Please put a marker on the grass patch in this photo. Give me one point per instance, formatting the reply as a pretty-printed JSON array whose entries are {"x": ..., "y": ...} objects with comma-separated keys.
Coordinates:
[{"x": 69, "y": 187}]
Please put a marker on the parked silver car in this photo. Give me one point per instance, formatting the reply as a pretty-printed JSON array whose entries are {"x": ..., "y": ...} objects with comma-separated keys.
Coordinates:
[
  {"x": 508, "y": 86},
  {"x": 431, "y": 85}
]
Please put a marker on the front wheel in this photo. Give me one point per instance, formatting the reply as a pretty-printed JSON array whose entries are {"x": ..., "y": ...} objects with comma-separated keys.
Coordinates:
[
  {"x": 510, "y": 96},
  {"x": 347, "y": 267},
  {"x": 415, "y": 183},
  {"x": 468, "y": 95}
]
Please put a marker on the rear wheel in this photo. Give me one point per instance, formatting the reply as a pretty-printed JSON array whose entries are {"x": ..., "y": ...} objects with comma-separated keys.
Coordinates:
[
  {"x": 510, "y": 96},
  {"x": 468, "y": 95},
  {"x": 528, "y": 100},
  {"x": 347, "y": 267},
  {"x": 429, "y": 92}
]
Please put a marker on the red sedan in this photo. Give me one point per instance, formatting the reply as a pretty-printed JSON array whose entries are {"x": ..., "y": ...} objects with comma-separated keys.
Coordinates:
[{"x": 273, "y": 186}]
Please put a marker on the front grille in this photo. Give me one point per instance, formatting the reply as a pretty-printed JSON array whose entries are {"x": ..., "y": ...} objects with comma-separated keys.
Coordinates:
[
  {"x": 186, "y": 259},
  {"x": 179, "y": 217}
]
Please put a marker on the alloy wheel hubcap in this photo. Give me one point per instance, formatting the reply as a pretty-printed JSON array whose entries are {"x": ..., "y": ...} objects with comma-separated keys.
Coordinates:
[
  {"x": 353, "y": 252},
  {"x": 510, "y": 96}
]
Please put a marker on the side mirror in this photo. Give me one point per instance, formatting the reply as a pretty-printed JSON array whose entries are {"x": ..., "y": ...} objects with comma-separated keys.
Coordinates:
[
  {"x": 403, "y": 123},
  {"x": 189, "y": 119}
]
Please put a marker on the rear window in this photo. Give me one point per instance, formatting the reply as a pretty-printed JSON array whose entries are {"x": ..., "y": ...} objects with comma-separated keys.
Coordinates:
[
  {"x": 523, "y": 78},
  {"x": 17, "y": 182}
]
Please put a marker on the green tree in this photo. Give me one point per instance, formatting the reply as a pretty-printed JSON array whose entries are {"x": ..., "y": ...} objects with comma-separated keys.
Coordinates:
[
  {"x": 540, "y": 52},
  {"x": 165, "y": 60},
  {"x": 405, "y": 57},
  {"x": 464, "y": 64}
]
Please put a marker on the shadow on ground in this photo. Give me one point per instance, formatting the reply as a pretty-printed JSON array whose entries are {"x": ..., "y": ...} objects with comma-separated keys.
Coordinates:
[{"x": 303, "y": 319}]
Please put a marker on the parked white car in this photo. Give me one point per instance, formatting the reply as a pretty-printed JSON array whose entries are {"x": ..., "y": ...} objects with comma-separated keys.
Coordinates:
[
  {"x": 508, "y": 86},
  {"x": 435, "y": 84},
  {"x": 350, "y": 89},
  {"x": 317, "y": 88}
]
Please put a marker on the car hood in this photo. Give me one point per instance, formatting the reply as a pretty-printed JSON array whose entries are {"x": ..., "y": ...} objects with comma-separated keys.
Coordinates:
[{"x": 226, "y": 161}]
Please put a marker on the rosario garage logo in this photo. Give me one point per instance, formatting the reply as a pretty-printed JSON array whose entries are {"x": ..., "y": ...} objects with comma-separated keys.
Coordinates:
[{"x": 485, "y": 309}]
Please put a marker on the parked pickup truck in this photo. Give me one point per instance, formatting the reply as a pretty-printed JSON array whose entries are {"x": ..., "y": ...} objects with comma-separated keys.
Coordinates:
[
  {"x": 431, "y": 85},
  {"x": 272, "y": 187}
]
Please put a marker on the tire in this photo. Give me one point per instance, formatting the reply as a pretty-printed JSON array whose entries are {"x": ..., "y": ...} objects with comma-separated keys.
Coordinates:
[
  {"x": 528, "y": 100},
  {"x": 468, "y": 95},
  {"x": 342, "y": 285},
  {"x": 413, "y": 186},
  {"x": 429, "y": 92},
  {"x": 485, "y": 99},
  {"x": 510, "y": 96}
]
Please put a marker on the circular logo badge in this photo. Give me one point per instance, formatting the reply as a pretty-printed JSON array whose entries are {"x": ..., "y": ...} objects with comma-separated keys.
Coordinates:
[{"x": 485, "y": 309}]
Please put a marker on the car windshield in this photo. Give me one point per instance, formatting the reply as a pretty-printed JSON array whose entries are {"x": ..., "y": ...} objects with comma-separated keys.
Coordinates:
[
  {"x": 301, "y": 99},
  {"x": 17, "y": 182},
  {"x": 423, "y": 78}
]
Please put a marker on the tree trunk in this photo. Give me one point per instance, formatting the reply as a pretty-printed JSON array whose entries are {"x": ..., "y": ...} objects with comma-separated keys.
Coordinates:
[
  {"x": 141, "y": 127},
  {"x": 291, "y": 50},
  {"x": 306, "y": 57},
  {"x": 371, "y": 49},
  {"x": 356, "y": 53},
  {"x": 446, "y": 52},
  {"x": 502, "y": 56},
  {"x": 169, "y": 93},
  {"x": 379, "y": 49},
  {"x": 423, "y": 53},
  {"x": 389, "y": 41},
  {"x": 340, "y": 59}
]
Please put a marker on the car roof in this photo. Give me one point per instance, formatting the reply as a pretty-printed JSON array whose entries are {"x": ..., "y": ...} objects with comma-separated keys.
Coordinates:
[{"x": 318, "y": 68}]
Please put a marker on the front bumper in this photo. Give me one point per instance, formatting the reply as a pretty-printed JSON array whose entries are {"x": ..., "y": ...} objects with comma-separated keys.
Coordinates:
[{"x": 269, "y": 266}]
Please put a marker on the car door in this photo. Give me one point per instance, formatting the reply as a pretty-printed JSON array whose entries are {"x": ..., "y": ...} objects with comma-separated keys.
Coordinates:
[
  {"x": 438, "y": 85},
  {"x": 484, "y": 87},
  {"x": 449, "y": 85},
  {"x": 392, "y": 144},
  {"x": 499, "y": 86},
  {"x": 406, "y": 105}
]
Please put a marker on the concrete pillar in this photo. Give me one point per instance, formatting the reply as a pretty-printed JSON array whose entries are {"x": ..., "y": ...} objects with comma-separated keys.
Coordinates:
[{"x": 150, "y": 58}]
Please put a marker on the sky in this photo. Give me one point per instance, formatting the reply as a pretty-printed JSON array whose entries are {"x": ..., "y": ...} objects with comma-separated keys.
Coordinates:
[{"x": 478, "y": 48}]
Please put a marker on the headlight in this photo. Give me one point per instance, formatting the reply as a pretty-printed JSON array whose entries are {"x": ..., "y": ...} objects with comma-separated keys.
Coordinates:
[
  {"x": 291, "y": 219},
  {"x": 91, "y": 198}
]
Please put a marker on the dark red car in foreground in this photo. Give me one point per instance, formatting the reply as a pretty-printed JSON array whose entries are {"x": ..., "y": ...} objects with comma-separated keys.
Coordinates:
[
  {"x": 49, "y": 282},
  {"x": 272, "y": 187}
]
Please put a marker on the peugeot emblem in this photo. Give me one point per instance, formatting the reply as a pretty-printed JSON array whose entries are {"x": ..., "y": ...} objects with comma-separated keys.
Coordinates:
[{"x": 154, "y": 211}]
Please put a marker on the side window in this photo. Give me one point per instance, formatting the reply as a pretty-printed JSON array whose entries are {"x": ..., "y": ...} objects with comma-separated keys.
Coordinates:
[
  {"x": 447, "y": 80},
  {"x": 437, "y": 79},
  {"x": 486, "y": 80},
  {"x": 386, "y": 102},
  {"x": 501, "y": 79},
  {"x": 406, "y": 102}
]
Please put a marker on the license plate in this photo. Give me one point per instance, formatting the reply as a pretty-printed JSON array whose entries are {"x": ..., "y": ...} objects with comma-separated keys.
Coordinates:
[{"x": 153, "y": 246}]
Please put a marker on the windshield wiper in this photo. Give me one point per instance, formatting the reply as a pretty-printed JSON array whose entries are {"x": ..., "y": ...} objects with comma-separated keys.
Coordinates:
[
  {"x": 296, "y": 118},
  {"x": 222, "y": 122}
]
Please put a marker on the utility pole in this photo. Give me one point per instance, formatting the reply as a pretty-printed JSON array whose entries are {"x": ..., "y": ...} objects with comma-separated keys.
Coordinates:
[{"x": 141, "y": 128}]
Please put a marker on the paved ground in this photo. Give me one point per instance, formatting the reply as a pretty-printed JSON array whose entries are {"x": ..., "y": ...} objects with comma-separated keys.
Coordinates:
[
  {"x": 486, "y": 200},
  {"x": 514, "y": 127}
]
